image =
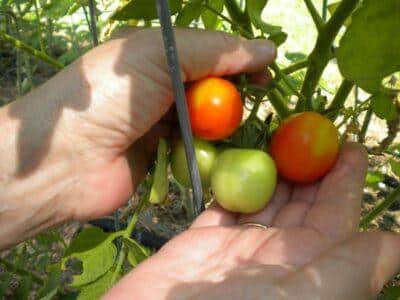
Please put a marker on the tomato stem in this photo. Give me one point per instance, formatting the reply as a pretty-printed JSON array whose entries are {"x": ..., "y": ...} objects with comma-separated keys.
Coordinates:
[
  {"x": 340, "y": 98},
  {"x": 320, "y": 56},
  {"x": 318, "y": 21},
  {"x": 34, "y": 52},
  {"x": 390, "y": 199}
]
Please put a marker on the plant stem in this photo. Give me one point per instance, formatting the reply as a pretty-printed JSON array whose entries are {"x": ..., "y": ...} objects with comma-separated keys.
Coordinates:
[
  {"x": 319, "y": 22},
  {"x": 238, "y": 16},
  {"x": 324, "y": 10},
  {"x": 390, "y": 199},
  {"x": 39, "y": 26},
  {"x": 93, "y": 27},
  {"x": 283, "y": 76},
  {"x": 278, "y": 102},
  {"x": 295, "y": 67},
  {"x": 340, "y": 98},
  {"x": 118, "y": 268},
  {"x": 21, "y": 271},
  {"x": 132, "y": 223},
  {"x": 320, "y": 56},
  {"x": 34, "y": 52}
]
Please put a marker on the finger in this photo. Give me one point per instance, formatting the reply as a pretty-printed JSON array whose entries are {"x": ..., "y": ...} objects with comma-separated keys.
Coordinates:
[
  {"x": 336, "y": 211},
  {"x": 355, "y": 269},
  {"x": 292, "y": 214},
  {"x": 265, "y": 217},
  {"x": 203, "y": 53},
  {"x": 215, "y": 216}
]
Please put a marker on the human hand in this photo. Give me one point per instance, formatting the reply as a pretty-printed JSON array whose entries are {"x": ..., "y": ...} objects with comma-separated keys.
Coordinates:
[
  {"x": 79, "y": 144},
  {"x": 311, "y": 249}
]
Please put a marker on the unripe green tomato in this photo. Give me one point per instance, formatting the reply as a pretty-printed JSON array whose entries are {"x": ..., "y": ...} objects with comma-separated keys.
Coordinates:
[
  {"x": 243, "y": 180},
  {"x": 206, "y": 155}
]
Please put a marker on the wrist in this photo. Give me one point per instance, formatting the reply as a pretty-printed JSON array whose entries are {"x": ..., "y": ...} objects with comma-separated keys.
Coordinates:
[{"x": 36, "y": 166}]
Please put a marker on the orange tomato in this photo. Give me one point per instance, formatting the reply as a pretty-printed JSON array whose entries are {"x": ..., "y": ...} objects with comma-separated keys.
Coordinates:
[
  {"x": 305, "y": 147},
  {"x": 215, "y": 108}
]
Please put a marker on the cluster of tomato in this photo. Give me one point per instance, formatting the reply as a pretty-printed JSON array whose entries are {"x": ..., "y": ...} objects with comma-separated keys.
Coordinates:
[{"x": 302, "y": 150}]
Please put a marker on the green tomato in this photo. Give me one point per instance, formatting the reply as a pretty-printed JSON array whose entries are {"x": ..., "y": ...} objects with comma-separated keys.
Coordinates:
[
  {"x": 206, "y": 155},
  {"x": 243, "y": 180}
]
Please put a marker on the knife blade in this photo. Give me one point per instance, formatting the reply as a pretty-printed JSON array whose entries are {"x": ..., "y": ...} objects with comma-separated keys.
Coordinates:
[{"x": 164, "y": 16}]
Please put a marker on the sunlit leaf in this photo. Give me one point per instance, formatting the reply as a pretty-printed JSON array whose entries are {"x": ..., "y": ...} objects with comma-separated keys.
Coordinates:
[
  {"x": 369, "y": 50},
  {"x": 143, "y": 9},
  {"x": 209, "y": 18},
  {"x": 190, "y": 12},
  {"x": 95, "y": 250},
  {"x": 383, "y": 106}
]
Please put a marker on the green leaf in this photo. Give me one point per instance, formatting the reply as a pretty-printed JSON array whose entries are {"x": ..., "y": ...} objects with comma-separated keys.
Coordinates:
[
  {"x": 190, "y": 12},
  {"x": 369, "y": 50},
  {"x": 254, "y": 10},
  {"x": 391, "y": 293},
  {"x": 278, "y": 38},
  {"x": 159, "y": 188},
  {"x": 209, "y": 18},
  {"x": 49, "y": 290},
  {"x": 24, "y": 289},
  {"x": 98, "y": 288},
  {"x": 373, "y": 178},
  {"x": 295, "y": 57},
  {"x": 143, "y": 9},
  {"x": 383, "y": 106},
  {"x": 96, "y": 251},
  {"x": 136, "y": 252},
  {"x": 395, "y": 166},
  {"x": 56, "y": 9},
  {"x": 5, "y": 280}
]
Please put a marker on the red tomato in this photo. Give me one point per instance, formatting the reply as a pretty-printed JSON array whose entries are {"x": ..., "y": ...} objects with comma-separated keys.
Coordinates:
[
  {"x": 305, "y": 147},
  {"x": 215, "y": 108}
]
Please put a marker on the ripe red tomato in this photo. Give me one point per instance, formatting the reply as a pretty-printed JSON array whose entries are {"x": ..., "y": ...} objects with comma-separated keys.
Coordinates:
[
  {"x": 215, "y": 108},
  {"x": 305, "y": 147}
]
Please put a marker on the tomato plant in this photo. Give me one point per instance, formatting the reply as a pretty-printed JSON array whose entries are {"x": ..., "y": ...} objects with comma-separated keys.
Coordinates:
[
  {"x": 350, "y": 75},
  {"x": 206, "y": 155},
  {"x": 305, "y": 147},
  {"x": 243, "y": 180},
  {"x": 215, "y": 108}
]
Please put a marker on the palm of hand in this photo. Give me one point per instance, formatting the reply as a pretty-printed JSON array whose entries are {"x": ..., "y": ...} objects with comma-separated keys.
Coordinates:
[{"x": 311, "y": 249}]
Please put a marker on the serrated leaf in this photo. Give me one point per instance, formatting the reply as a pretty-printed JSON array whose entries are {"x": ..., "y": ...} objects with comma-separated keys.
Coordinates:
[
  {"x": 190, "y": 12},
  {"x": 254, "y": 10},
  {"x": 209, "y": 18},
  {"x": 383, "y": 106},
  {"x": 136, "y": 252},
  {"x": 98, "y": 288},
  {"x": 159, "y": 188},
  {"x": 395, "y": 166},
  {"x": 369, "y": 50},
  {"x": 95, "y": 250},
  {"x": 143, "y": 9}
]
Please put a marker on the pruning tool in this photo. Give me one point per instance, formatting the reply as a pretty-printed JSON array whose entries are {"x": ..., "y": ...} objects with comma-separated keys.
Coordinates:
[{"x": 164, "y": 16}]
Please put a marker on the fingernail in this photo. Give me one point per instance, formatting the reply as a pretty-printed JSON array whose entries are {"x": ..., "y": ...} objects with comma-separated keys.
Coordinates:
[{"x": 265, "y": 48}]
